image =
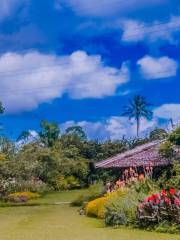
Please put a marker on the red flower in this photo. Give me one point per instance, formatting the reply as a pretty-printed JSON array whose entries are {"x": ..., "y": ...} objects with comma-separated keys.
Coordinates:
[
  {"x": 172, "y": 191},
  {"x": 151, "y": 198},
  {"x": 164, "y": 192}
]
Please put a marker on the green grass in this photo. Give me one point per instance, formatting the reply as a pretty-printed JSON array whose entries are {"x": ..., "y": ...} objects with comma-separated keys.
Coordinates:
[{"x": 62, "y": 222}]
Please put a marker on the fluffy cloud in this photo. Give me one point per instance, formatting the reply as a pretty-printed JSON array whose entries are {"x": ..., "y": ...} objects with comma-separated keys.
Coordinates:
[
  {"x": 102, "y": 8},
  {"x": 112, "y": 128},
  {"x": 153, "y": 68},
  {"x": 134, "y": 31},
  {"x": 8, "y": 7},
  {"x": 33, "y": 78},
  {"x": 168, "y": 111}
]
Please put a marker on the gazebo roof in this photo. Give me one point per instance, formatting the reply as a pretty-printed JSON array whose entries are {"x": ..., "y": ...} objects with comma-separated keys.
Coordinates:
[{"x": 143, "y": 155}]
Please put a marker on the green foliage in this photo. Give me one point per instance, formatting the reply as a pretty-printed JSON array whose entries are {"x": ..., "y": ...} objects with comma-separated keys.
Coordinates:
[
  {"x": 145, "y": 187},
  {"x": 19, "y": 185},
  {"x": 49, "y": 133},
  {"x": 174, "y": 137},
  {"x": 158, "y": 134},
  {"x": 68, "y": 183},
  {"x": 121, "y": 209},
  {"x": 94, "y": 191},
  {"x": 76, "y": 131},
  {"x": 2, "y": 109},
  {"x": 138, "y": 107},
  {"x": 166, "y": 150},
  {"x": 160, "y": 210},
  {"x": 171, "y": 176}
]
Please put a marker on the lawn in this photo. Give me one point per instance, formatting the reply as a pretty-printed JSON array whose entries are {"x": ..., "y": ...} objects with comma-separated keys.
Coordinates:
[{"x": 61, "y": 222}]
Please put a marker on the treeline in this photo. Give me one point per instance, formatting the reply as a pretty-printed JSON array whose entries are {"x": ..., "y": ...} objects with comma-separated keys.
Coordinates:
[{"x": 52, "y": 160}]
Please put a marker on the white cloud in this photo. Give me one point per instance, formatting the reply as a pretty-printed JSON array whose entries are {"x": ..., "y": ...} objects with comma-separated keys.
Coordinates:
[
  {"x": 168, "y": 111},
  {"x": 116, "y": 127},
  {"x": 134, "y": 31},
  {"x": 113, "y": 128},
  {"x": 153, "y": 68},
  {"x": 33, "y": 78},
  {"x": 8, "y": 7},
  {"x": 103, "y": 8}
]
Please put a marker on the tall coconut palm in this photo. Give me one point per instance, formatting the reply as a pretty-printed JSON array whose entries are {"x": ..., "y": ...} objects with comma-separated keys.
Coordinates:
[
  {"x": 1, "y": 112},
  {"x": 138, "y": 108},
  {"x": 1, "y": 108}
]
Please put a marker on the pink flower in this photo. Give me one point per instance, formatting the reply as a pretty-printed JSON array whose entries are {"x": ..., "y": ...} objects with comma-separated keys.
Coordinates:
[
  {"x": 177, "y": 201},
  {"x": 167, "y": 201}
]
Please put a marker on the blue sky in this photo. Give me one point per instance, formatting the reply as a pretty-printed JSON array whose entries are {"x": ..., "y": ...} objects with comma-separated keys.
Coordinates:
[{"x": 79, "y": 62}]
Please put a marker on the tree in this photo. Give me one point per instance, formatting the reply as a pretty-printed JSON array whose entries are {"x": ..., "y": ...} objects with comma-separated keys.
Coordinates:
[
  {"x": 76, "y": 130},
  {"x": 1, "y": 108},
  {"x": 49, "y": 134},
  {"x": 1, "y": 111},
  {"x": 158, "y": 134},
  {"x": 174, "y": 137},
  {"x": 137, "y": 109}
]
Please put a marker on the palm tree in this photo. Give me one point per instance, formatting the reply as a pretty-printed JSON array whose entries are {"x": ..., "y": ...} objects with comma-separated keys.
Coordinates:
[
  {"x": 1, "y": 108},
  {"x": 138, "y": 108}
]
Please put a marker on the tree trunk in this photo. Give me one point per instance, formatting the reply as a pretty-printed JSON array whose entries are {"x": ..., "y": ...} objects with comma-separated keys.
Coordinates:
[{"x": 138, "y": 126}]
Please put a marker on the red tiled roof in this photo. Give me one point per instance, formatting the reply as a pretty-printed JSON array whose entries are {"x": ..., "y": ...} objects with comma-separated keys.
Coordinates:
[{"x": 144, "y": 155}]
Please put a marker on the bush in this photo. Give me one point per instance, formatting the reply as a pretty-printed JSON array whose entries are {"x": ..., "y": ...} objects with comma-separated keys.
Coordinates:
[
  {"x": 144, "y": 187},
  {"x": 96, "y": 208},
  {"x": 19, "y": 197},
  {"x": 13, "y": 185},
  {"x": 94, "y": 191},
  {"x": 78, "y": 202},
  {"x": 67, "y": 183},
  {"x": 121, "y": 208},
  {"x": 161, "y": 208}
]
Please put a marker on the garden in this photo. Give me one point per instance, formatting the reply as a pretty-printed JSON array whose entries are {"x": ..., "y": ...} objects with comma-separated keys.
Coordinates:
[{"x": 52, "y": 177}]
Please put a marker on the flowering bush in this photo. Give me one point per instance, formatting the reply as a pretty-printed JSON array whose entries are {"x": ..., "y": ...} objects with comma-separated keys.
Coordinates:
[
  {"x": 160, "y": 208},
  {"x": 16, "y": 185},
  {"x": 19, "y": 197},
  {"x": 121, "y": 208},
  {"x": 96, "y": 208}
]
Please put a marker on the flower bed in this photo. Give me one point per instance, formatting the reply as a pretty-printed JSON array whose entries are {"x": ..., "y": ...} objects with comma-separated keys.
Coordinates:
[
  {"x": 160, "y": 208},
  {"x": 20, "y": 197}
]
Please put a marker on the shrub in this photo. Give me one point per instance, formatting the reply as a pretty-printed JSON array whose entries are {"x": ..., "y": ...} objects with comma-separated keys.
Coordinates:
[
  {"x": 161, "y": 208},
  {"x": 96, "y": 208},
  {"x": 144, "y": 187},
  {"x": 95, "y": 190},
  {"x": 22, "y": 196},
  {"x": 66, "y": 183},
  {"x": 121, "y": 208},
  {"x": 13, "y": 185},
  {"x": 78, "y": 202}
]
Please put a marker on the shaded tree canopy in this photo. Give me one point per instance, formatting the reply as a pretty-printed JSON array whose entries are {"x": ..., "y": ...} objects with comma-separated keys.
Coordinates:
[
  {"x": 76, "y": 130},
  {"x": 49, "y": 133},
  {"x": 158, "y": 134}
]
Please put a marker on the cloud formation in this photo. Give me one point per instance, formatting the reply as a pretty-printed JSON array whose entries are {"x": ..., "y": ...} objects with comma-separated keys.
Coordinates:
[
  {"x": 154, "y": 68},
  {"x": 8, "y": 7},
  {"x": 33, "y": 78},
  {"x": 134, "y": 31},
  {"x": 113, "y": 128},
  {"x": 103, "y": 8},
  {"x": 168, "y": 111}
]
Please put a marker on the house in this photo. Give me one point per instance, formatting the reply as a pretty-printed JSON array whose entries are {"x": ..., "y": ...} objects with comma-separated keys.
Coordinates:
[{"x": 141, "y": 156}]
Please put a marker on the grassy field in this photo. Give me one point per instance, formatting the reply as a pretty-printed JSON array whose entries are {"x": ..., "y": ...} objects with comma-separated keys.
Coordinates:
[{"x": 61, "y": 222}]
